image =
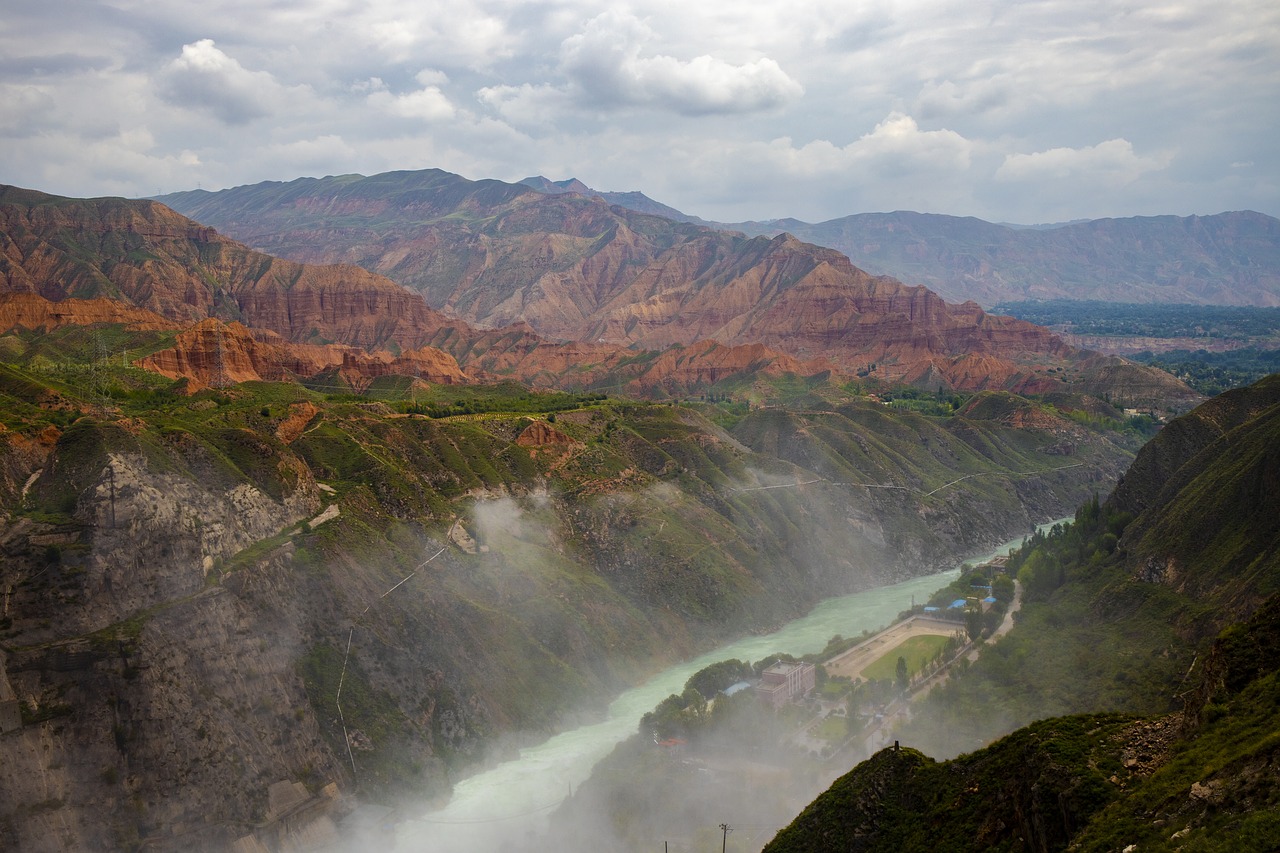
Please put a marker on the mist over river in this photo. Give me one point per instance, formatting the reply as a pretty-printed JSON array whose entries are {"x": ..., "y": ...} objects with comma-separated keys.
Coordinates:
[{"x": 508, "y": 806}]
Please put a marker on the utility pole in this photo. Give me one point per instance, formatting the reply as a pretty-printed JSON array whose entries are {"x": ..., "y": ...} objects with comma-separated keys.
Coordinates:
[{"x": 725, "y": 829}]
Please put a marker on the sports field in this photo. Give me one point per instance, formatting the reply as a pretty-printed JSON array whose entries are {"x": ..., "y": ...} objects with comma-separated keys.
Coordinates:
[
  {"x": 887, "y": 645},
  {"x": 917, "y": 651}
]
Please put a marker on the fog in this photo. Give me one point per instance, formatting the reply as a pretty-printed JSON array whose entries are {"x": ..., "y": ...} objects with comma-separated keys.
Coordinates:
[
  {"x": 508, "y": 807},
  {"x": 543, "y": 796}
]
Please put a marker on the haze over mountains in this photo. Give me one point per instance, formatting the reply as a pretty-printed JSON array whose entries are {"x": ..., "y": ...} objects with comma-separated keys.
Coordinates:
[{"x": 1226, "y": 259}]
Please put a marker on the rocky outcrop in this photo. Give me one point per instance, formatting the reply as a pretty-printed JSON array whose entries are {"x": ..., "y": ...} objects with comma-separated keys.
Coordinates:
[
  {"x": 212, "y": 353},
  {"x": 575, "y": 268},
  {"x": 707, "y": 362},
  {"x": 24, "y": 310}
]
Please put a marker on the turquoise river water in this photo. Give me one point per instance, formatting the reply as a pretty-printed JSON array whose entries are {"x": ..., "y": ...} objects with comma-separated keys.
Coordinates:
[{"x": 510, "y": 803}]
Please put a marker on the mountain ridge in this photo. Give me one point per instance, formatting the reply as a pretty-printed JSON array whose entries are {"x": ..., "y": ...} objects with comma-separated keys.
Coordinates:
[
  {"x": 1228, "y": 258},
  {"x": 576, "y": 268}
]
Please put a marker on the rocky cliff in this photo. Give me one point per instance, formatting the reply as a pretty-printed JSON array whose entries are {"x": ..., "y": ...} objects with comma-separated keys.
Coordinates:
[
  {"x": 145, "y": 255},
  {"x": 213, "y": 353},
  {"x": 25, "y": 310},
  {"x": 183, "y": 577},
  {"x": 575, "y": 268}
]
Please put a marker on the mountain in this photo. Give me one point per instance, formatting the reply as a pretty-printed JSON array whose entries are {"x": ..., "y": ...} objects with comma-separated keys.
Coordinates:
[
  {"x": 577, "y": 269},
  {"x": 634, "y": 200},
  {"x": 147, "y": 256},
  {"x": 1176, "y": 624},
  {"x": 232, "y": 614},
  {"x": 1225, "y": 259},
  {"x": 137, "y": 258}
]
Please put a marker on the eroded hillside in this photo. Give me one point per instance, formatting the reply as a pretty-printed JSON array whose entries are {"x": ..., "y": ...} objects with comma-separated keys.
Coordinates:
[{"x": 184, "y": 574}]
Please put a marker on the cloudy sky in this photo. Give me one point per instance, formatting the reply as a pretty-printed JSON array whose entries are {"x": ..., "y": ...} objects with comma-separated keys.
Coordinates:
[{"x": 1010, "y": 111}]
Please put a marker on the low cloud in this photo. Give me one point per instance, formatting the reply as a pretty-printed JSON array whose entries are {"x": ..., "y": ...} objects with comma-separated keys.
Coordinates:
[
  {"x": 429, "y": 103},
  {"x": 896, "y": 145},
  {"x": 1111, "y": 161}
]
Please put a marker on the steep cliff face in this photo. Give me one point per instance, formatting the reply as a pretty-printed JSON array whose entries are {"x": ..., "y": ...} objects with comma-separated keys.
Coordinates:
[
  {"x": 575, "y": 268},
  {"x": 1206, "y": 492},
  {"x": 184, "y": 576},
  {"x": 31, "y": 311},
  {"x": 143, "y": 686},
  {"x": 144, "y": 254}
]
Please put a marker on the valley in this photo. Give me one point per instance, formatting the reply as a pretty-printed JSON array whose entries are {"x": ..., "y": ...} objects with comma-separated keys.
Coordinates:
[
  {"x": 290, "y": 546},
  {"x": 886, "y": 461}
]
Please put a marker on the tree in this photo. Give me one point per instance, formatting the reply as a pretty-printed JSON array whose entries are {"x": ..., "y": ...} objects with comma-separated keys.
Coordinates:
[
  {"x": 1002, "y": 589},
  {"x": 901, "y": 670},
  {"x": 973, "y": 622}
]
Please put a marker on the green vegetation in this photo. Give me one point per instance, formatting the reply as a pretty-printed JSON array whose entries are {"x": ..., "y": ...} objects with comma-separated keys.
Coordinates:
[
  {"x": 1156, "y": 320},
  {"x": 450, "y": 400},
  {"x": 915, "y": 652},
  {"x": 1123, "y": 612},
  {"x": 1078, "y": 598},
  {"x": 1241, "y": 343},
  {"x": 1212, "y": 373}
]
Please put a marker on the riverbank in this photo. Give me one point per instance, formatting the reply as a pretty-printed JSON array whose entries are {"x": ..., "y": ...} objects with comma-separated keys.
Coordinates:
[{"x": 506, "y": 805}]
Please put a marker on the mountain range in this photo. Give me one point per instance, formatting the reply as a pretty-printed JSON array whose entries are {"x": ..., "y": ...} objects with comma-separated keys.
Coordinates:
[
  {"x": 1229, "y": 258},
  {"x": 574, "y": 268},
  {"x": 280, "y": 531}
]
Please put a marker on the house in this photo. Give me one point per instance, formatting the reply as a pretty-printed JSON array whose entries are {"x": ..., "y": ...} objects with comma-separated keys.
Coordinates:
[{"x": 786, "y": 681}]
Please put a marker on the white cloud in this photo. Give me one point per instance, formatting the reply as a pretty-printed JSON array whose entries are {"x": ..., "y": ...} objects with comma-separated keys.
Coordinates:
[
  {"x": 605, "y": 63},
  {"x": 604, "y": 68},
  {"x": 526, "y": 105},
  {"x": 896, "y": 145},
  {"x": 814, "y": 108},
  {"x": 1113, "y": 161},
  {"x": 426, "y": 104},
  {"x": 23, "y": 109},
  {"x": 204, "y": 78}
]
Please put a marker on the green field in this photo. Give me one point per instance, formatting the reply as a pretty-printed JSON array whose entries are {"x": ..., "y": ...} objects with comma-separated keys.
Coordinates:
[{"x": 917, "y": 650}]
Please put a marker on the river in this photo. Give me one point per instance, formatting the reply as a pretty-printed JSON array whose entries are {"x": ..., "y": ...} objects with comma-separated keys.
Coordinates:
[{"x": 507, "y": 805}]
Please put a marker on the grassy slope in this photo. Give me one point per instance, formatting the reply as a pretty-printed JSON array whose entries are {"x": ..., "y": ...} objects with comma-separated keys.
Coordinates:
[
  {"x": 639, "y": 541},
  {"x": 1101, "y": 633}
]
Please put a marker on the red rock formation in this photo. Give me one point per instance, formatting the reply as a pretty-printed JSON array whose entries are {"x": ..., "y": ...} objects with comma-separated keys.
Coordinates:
[
  {"x": 300, "y": 414},
  {"x": 145, "y": 254},
  {"x": 599, "y": 279},
  {"x": 542, "y": 438},
  {"x": 32, "y": 311},
  {"x": 575, "y": 269},
  {"x": 212, "y": 353}
]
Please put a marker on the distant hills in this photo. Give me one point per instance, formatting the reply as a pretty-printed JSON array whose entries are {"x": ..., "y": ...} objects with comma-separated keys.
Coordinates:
[
  {"x": 1226, "y": 259},
  {"x": 575, "y": 268}
]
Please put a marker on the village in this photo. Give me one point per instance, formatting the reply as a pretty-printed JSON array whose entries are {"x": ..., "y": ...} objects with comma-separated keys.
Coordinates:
[{"x": 849, "y": 699}]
